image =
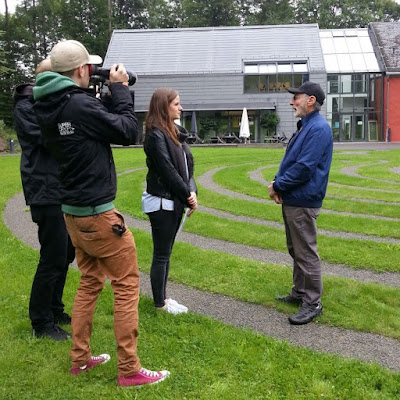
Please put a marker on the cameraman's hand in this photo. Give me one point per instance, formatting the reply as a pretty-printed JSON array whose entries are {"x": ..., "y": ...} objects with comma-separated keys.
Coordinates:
[{"x": 118, "y": 74}]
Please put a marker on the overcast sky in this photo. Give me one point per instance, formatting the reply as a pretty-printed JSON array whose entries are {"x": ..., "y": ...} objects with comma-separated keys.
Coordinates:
[{"x": 12, "y": 3}]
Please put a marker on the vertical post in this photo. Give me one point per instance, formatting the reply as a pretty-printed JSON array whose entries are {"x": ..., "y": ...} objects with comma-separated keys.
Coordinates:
[
  {"x": 109, "y": 17},
  {"x": 387, "y": 107}
]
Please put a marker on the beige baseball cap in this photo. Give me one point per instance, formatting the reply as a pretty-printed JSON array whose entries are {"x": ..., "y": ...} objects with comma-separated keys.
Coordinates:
[{"x": 70, "y": 54}]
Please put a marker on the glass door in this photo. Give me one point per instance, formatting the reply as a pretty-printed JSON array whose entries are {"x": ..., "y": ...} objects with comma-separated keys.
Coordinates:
[
  {"x": 359, "y": 128},
  {"x": 345, "y": 134},
  {"x": 353, "y": 127}
]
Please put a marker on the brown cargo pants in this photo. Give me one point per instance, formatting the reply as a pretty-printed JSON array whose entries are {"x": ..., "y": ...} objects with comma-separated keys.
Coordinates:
[{"x": 103, "y": 252}]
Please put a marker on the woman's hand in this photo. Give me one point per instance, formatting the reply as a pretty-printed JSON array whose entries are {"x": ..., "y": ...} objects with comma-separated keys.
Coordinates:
[{"x": 192, "y": 201}]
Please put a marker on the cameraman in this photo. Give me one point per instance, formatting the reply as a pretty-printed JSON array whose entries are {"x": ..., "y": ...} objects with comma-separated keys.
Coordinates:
[{"x": 78, "y": 131}]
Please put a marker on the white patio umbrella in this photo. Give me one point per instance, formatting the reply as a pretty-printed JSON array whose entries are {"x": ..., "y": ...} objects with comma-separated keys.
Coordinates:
[{"x": 244, "y": 126}]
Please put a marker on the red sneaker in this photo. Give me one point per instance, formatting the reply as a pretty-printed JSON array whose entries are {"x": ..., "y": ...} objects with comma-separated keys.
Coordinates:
[
  {"x": 143, "y": 377},
  {"x": 101, "y": 359}
]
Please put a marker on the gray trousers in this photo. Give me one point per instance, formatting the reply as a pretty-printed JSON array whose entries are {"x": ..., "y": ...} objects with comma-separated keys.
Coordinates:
[{"x": 301, "y": 239}]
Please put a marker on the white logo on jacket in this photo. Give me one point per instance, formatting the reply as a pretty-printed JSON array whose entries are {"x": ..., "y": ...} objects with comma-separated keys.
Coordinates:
[{"x": 66, "y": 128}]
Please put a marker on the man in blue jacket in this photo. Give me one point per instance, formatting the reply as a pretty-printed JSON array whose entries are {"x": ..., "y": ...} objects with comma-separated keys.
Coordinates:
[{"x": 300, "y": 187}]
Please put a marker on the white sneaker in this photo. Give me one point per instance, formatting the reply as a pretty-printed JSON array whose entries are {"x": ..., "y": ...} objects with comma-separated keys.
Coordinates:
[{"x": 176, "y": 305}]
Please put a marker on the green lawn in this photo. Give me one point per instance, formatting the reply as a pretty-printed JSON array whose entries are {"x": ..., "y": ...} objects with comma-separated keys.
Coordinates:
[{"x": 208, "y": 360}]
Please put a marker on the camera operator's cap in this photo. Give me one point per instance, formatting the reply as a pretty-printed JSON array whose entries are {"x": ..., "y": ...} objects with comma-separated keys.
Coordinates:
[
  {"x": 311, "y": 89},
  {"x": 70, "y": 54}
]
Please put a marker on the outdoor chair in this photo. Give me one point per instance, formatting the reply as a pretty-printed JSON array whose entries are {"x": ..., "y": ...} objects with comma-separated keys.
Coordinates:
[
  {"x": 230, "y": 137},
  {"x": 277, "y": 138},
  {"x": 282, "y": 138},
  {"x": 191, "y": 139},
  {"x": 194, "y": 139},
  {"x": 216, "y": 140}
]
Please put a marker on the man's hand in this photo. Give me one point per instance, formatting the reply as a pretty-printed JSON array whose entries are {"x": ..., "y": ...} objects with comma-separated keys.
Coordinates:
[
  {"x": 278, "y": 198},
  {"x": 271, "y": 190},
  {"x": 118, "y": 74},
  {"x": 274, "y": 195}
]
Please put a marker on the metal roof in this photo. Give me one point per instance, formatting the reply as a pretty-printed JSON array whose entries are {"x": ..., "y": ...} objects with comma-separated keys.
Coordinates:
[
  {"x": 213, "y": 50},
  {"x": 387, "y": 36}
]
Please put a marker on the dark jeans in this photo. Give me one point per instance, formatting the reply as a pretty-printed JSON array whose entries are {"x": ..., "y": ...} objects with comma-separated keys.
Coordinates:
[
  {"x": 56, "y": 253},
  {"x": 164, "y": 225}
]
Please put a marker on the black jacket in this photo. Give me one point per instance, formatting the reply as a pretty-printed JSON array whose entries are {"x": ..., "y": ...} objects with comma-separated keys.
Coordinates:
[
  {"x": 78, "y": 130},
  {"x": 167, "y": 176},
  {"x": 39, "y": 170}
]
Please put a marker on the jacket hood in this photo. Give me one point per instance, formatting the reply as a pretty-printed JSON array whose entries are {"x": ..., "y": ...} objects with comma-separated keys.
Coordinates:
[
  {"x": 50, "y": 82},
  {"x": 23, "y": 91}
]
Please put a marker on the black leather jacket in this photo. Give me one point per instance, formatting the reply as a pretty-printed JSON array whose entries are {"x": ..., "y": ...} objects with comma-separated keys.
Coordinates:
[{"x": 165, "y": 177}]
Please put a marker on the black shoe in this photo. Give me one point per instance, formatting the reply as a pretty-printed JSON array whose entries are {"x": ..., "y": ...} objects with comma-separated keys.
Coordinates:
[
  {"x": 290, "y": 299},
  {"x": 306, "y": 314},
  {"x": 64, "y": 332},
  {"x": 62, "y": 319},
  {"x": 54, "y": 332}
]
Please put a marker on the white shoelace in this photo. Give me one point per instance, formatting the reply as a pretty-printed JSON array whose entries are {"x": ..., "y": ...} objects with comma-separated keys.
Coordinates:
[
  {"x": 150, "y": 374},
  {"x": 93, "y": 358},
  {"x": 103, "y": 358}
]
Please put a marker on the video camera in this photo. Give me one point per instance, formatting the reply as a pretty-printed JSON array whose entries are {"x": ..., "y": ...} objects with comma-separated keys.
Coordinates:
[{"x": 100, "y": 75}]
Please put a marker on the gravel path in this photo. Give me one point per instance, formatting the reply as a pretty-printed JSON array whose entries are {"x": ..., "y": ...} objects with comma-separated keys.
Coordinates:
[
  {"x": 207, "y": 181},
  {"x": 256, "y": 175},
  {"x": 344, "y": 342},
  {"x": 395, "y": 170},
  {"x": 364, "y": 188},
  {"x": 352, "y": 171}
]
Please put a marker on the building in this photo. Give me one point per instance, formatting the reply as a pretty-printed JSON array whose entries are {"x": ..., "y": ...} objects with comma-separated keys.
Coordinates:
[
  {"x": 386, "y": 40},
  {"x": 219, "y": 71},
  {"x": 354, "y": 85}
]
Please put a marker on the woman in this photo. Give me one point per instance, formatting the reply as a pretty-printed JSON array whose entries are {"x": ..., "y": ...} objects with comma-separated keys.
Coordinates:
[{"x": 170, "y": 187}]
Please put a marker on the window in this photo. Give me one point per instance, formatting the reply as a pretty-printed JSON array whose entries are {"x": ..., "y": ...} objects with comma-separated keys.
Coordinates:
[
  {"x": 274, "y": 77},
  {"x": 251, "y": 83},
  {"x": 360, "y": 83},
  {"x": 333, "y": 84},
  {"x": 346, "y": 84}
]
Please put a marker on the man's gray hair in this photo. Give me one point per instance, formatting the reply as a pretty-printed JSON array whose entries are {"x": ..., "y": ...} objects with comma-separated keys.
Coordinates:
[{"x": 317, "y": 106}]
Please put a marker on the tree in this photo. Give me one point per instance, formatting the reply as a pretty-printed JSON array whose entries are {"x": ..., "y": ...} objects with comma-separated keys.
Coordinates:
[
  {"x": 210, "y": 13},
  {"x": 164, "y": 14},
  {"x": 129, "y": 14},
  {"x": 35, "y": 28},
  {"x": 87, "y": 21},
  {"x": 272, "y": 12},
  {"x": 269, "y": 121},
  {"x": 346, "y": 13},
  {"x": 208, "y": 124},
  {"x": 7, "y": 80}
]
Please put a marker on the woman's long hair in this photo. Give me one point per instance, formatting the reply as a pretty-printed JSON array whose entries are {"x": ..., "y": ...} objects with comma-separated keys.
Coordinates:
[{"x": 158, "y": 115}]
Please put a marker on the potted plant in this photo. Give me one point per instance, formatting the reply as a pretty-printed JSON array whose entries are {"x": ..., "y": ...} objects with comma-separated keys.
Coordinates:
[
  {"x": 207, "y": 125},
  {"x": 269, "y": 121}
]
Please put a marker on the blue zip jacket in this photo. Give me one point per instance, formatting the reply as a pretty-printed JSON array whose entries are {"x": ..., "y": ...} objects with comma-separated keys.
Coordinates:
[{"x": 303, "y": 174}]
